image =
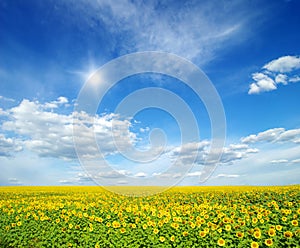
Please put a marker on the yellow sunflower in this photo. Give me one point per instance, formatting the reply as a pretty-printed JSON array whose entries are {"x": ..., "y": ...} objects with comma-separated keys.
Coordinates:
[
  {"x": 269, "y": 242},
  {"x": 221, "y": 242},
  {"x": 254, "y": 244},
  {"x": 162, "y": 239}
]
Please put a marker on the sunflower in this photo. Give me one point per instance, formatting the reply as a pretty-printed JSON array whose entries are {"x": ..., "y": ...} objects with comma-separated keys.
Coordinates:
[
  {"x": 254, "y": 244},
  {"x": 162, "y": 239},
  {"x": 240, "y": 235},
  {"x": 228, "y": 227},
  {"x": 288, "y": 234},
  {"x": 257, "y": 234},
  {"x": 116, "y": 224},
  {"x": 175, "y": 225},
  {"x": 221, "y": 242},
  {"x": 202, "y": 234},
  {"x": 295, "y": 222},
  {"x": 172, "y": 238},
  {"x": 192, "y": 225},
  {"x": 185, "y": 233},
  {"x": 269, "y": 242},
  {"x": 272, "y": 232}
]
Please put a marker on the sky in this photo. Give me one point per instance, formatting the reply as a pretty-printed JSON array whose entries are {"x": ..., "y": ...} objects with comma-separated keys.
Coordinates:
[{"x": 50, "y": 50}]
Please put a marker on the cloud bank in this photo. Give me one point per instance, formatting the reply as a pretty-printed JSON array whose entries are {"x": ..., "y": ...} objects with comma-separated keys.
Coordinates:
[{"x": 45, "y": 130}]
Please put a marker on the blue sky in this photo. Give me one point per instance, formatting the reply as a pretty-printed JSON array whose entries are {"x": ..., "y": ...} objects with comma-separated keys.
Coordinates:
[{"x": 249, "y": 50}]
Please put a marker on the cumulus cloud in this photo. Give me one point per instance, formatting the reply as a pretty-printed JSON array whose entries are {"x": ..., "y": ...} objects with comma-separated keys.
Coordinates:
[
  {"x": 262, "y": 83},
  {"x": 197, "y": 153},
  {"x": 57, "y": 103},
  {"x": 236, "y": 152},
  {"x": 50, "y": 134},
  {"x": 8, "y": 146},
  {"x": 283, "y": 64},
  {"x": 281, "y": 78},
  {"x": 274, "y": 135},
  {"x": 278, "y": 71}
]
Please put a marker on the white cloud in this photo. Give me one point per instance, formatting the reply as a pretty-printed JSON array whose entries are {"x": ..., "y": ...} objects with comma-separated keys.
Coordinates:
[
  {"x": 295, "y": 161},
  {"x": 273, "y": 74},
  {"x": 168, "y": 175},
  {"x": 140, "y": 174},
  {"x": 274, "y": 135},
  {"x": 80, "y": 178},
  {"x": 198, "y": 153},
  {"x": 56, "y": 104},
  {"x": 227, "y": 176},
  {"x": 14, "y": 181},
  {"x": 155, "y": 25},
  {"x": 279, "y": 161},
  {"x": 113, "y": 174},
  {"x": 236, "y": 152},
  {"x": 122, "y": 182},
  {"x": 8, "y": 146},
  {"x": 294, "y": 79},
  {"x": 262, "y": 83},
  {"x": 281, "y": 78},
  {"x": 283, "y": 64},
  {"x": 50, "y": 134},
  {"x": 292, "y": 135},
  {"x": 3, "y": 112},
  {"x": 6, "y": 99},
  {"x": 143, "y": 130},
  {"x": 194, "y": 174}
]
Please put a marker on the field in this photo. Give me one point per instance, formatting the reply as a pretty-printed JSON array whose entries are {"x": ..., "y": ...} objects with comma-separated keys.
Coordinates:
[{"x": 180, "y": 217}]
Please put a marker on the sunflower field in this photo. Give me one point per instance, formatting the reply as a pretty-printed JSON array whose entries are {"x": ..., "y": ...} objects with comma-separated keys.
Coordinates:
[{"x": 180, "y": 217}]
